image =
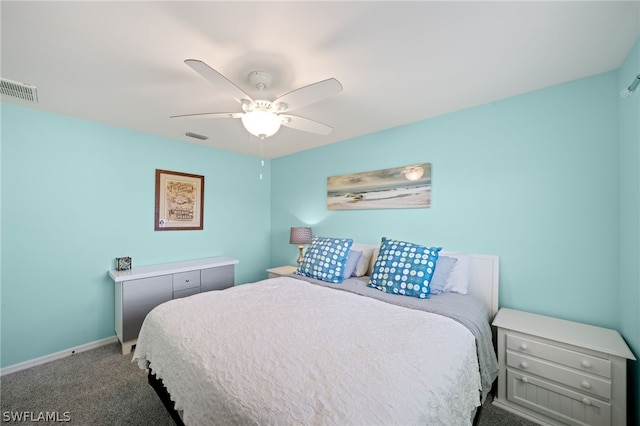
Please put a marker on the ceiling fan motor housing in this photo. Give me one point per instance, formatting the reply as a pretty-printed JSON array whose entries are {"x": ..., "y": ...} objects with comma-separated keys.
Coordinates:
[{"x": 258, "y": 105}]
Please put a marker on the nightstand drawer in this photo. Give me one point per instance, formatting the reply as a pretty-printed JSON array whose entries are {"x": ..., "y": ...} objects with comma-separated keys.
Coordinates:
[
  {"x": 556, "y": 402},
  {"x": 186, "y": 280},
  {"x": 578, "y": 380},
  {"x": 573, "y": 359}
]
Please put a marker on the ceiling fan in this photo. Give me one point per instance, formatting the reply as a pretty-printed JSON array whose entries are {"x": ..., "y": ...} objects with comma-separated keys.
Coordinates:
[{"x": 263, "y": 118}]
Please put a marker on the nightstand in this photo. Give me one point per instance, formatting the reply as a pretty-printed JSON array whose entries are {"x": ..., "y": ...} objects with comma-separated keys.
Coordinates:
[
  {"x": 280, "y": 271},
  {"x": 558, "y": 372}
]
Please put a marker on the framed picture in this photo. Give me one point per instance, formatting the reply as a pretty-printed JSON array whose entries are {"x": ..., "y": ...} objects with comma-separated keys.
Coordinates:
[
  {"x": 404, "y": 187},
  {"x": 179, "y": 201},
  {"x": 123, "y": 263}
]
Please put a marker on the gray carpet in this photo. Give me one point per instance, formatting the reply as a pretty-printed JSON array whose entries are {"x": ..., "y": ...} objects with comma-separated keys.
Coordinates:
[{"x": 103, "y": 387}]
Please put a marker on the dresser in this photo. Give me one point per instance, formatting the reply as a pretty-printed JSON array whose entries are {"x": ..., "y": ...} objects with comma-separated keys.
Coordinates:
[
  {"x": 140, "y": 289},
  {"x": 558, "y": 372}
]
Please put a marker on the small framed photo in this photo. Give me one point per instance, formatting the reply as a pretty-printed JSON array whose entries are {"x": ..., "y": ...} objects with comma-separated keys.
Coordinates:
[{"x": 123, "y": 263}]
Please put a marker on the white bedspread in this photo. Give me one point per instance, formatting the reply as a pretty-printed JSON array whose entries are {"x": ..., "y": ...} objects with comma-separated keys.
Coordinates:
[{"x": 283, "y": 351}]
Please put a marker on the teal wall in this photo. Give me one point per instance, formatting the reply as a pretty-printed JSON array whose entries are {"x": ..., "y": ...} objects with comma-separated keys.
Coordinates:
[
  {"x": 630, "y": 215},
  {"x": 547, "y": 180},
  {"x": 533, "y": 179},
  {"x": 77, "y": 194}
]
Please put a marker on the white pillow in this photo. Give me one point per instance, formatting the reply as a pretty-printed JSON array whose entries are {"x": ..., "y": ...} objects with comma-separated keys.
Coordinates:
[
  {"x": 458, "y": 280},
  {"x": 362, "y": 267},
  {"x": 374, "y": 258}
]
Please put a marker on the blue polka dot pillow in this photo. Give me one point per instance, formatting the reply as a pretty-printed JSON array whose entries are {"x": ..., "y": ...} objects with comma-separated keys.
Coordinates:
[
  {"x": 404, "y": 268},
  {"x": 326, "y": 259}
]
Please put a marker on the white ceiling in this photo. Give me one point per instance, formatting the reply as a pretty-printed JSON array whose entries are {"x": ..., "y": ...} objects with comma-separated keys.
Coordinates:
[{"x": 121, "y": 63}]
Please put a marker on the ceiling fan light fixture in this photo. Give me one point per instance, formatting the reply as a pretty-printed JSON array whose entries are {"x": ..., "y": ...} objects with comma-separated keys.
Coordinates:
[{"x": 261, "y": 123}]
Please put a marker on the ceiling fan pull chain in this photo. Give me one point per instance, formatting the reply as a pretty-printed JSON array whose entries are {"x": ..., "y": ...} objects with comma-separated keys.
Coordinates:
[{"x": 261, "y": 156}]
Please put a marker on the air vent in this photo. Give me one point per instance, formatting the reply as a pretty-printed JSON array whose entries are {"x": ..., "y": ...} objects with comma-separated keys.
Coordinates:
[
  {"x": 197, "y": 136},
  {"x": 18, "y": 90}
]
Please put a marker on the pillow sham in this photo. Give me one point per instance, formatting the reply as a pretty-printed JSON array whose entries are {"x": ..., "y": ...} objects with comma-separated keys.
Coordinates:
[
  {"x": 326, "y": 258},
  {"x": 458, "y": 280},
  {"x": 352, "y": 261},
  {"x": 444, "y": 265},
  {"x": 404, "y": 268},
  {"x": 363, "y": 263}
]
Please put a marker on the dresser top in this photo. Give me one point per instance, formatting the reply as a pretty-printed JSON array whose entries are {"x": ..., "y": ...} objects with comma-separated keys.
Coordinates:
[
  {"x": 573, "y": 333},
  {"x": 170, "y": 268}
]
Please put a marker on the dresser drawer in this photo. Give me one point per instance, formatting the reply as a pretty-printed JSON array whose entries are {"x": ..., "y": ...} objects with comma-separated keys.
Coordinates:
[
  {"x": 584, "y": 382},
  {"x": 554, "y": 401},
  {"x": 570, "y": 358},
  {"x": 218, "y": 278},
  {"x": 186, "y": 280},
  {"x": 177, "y": 294}
]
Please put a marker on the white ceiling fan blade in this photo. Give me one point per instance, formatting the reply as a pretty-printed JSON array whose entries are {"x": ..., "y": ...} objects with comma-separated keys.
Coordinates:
[
  {"x": 305, "y": 124},
  {"x": 210, "y": 115},
  {"x": 310, "y": 94},
  {"x": 218, "y": 79}
]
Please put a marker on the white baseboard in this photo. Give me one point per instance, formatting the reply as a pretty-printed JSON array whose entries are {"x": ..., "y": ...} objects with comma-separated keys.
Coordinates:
[{"x": 58, "y": 355}]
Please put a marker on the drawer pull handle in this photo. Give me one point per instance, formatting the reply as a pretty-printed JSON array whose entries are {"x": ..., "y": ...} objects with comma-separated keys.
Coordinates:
[
  {"x": 524, "y": 347},
  {"x": 586, "y": 364},
  {"x": 586, "y": 401},
  {"x": 525, "y": 380},
  {"x": 586, "y": 384},
  {"x": 524, "y": 364}
]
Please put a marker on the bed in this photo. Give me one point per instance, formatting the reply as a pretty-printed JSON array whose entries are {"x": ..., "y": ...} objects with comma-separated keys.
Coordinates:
[{"x": 301, "y": 350}]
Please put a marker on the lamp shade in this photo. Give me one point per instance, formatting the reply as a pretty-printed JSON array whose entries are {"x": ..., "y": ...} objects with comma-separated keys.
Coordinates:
[{"x": 300, "y": 235}]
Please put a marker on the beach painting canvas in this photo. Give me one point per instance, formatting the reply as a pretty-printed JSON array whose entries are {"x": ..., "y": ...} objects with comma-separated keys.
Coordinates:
[{"x": 406, "y": 187}]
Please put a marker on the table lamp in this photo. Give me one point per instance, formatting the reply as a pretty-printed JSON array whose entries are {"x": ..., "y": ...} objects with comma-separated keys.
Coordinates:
[{"x": 300, "y": 236}]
